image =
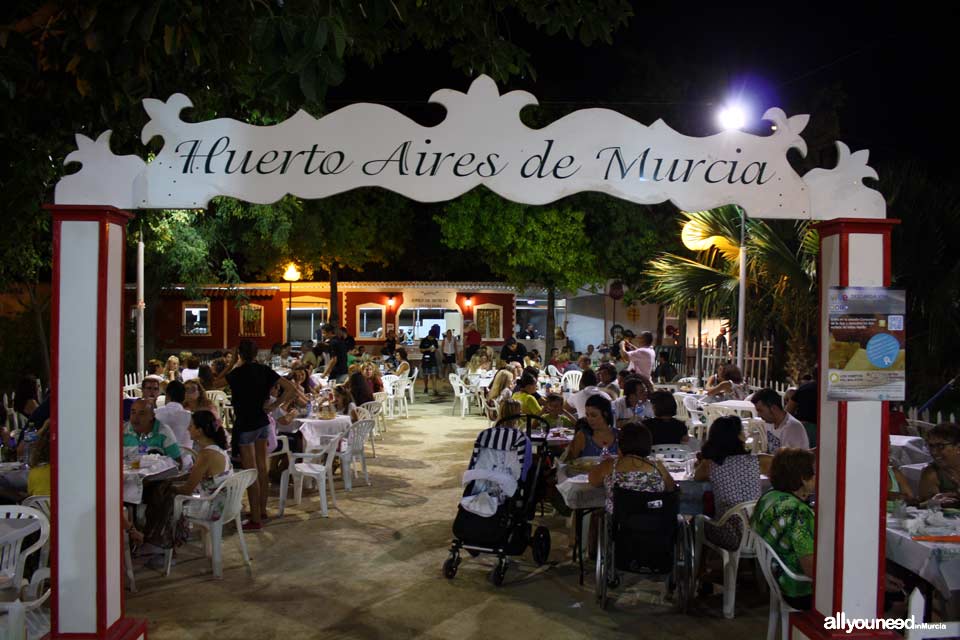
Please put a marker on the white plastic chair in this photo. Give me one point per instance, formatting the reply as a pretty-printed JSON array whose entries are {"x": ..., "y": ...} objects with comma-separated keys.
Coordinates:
[
  {"x": 41, "y": 504},
  {"x": 915, "y": 607},
  {"x": 374, "y": 411},
  {"x": 571, "y": 381},
  {"x": 283, "y": 451},
  {"x": 696, "y": 422},
  {"x": 779, "y": 609},
  {"x": 676, "y": 451},
  {"x": 461, "y": 394},
  {"x": 28, "y": 619},
  {"x": 12, "y": 556},
  {"x": 220, "y": 399},
  {"x": 711, "y": 412},
  {"x": 382, "y": 398},
  {"x": 233, "y": 489},
  {"x": 731, "y": 559},
  {"x": 412, "y": 384},
  {"x": 354, "y": 440},
  {"x": 321, "y": 471},
  {"x": 398, "y": 397},
  {"x": 682, "y": 414}
]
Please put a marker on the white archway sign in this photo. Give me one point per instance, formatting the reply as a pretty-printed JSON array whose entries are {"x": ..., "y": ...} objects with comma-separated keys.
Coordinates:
[{"x": 482, "y": 141}]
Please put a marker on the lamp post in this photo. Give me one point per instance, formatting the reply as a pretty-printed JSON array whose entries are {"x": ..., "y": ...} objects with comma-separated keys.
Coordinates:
[
  {"x": 291, "y": 275},
  {"x": 733, "y": 117}
]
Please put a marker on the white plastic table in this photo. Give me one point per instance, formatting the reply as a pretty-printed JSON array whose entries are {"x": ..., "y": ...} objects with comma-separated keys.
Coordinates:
[
  {"x": 133, "y": 478},
  {"x": 313, "y": 428},
  {"x": 740, "y": 406},
  {"x": 936, "y": 562}
]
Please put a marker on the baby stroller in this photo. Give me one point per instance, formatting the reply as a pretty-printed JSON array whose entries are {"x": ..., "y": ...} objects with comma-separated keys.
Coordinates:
[
  {"x": 500, "y": 498},
  {"x": 646, "y": 534}
]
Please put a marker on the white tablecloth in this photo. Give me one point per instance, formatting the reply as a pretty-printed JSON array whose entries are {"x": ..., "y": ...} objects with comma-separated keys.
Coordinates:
[
  {"x": 741, "y": 406},
  {"x": 313, "y": 428},
  {"x": 912, "y": 473},
  {"x": 133, "y": 478},
  {"x": 908, "y": 450},
  {"x": 936, "y": 562}
]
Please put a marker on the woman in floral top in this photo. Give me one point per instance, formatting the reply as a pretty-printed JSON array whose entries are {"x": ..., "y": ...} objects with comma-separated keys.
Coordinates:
[
  {"x": 632, "y": 468},
  {"x": 785, "y": 521}
]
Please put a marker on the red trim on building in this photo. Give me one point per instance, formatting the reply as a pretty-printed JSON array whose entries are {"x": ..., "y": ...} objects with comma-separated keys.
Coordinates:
[
  {"x": 854, "y": 225},
  {"x": 816, "y": 505},
  {"x": 54, "y": 420},
  {"x": 884, "y": 489},
  {"x": 841, "y": 500},
  {"x": 844, "y": 279}
]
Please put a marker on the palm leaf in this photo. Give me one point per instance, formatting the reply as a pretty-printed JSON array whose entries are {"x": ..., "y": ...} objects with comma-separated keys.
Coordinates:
[{"x": 681, "y": 282}]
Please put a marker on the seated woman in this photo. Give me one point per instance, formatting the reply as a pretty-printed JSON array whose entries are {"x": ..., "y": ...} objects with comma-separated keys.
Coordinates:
[
  {"x": 172, "y": 370},
  {"x": 664, "y": 426},
  {"x": 633, "y": 405},
  {"x": 372, "y": 373},
  {"x": 359, "y": 389},
  {"x": 730, "y": 386},
  {"x": 343, "y": 401},
  {"x": 403, "y": 365},
  {"x": 195, "y": 397},
  {"x": 898, "y": 488},
  {"x": 599, "y": 436},
  {"x": 633, "y": 468},
  {"x": 527, "y": 395},
  {"x": 940, "y": 480},
  {"x": 733, "y": 473},
  {"x": 508, "y": 409},
  {"x": 501, "y": 388},
  {"x": 211, "y": 467},
  {"x": 786, "y": 522}
]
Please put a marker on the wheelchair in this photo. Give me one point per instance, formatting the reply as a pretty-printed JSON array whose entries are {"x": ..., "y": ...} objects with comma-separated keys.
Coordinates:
[{"x": 646, "y": 534}]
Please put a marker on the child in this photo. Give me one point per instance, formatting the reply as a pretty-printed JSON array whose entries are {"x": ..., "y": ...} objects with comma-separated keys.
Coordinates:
[{"x": 554, "y": 413}]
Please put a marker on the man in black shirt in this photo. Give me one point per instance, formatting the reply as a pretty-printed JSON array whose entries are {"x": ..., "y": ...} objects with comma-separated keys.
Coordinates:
[
  {"x": 337, "y": 365},
  {"x": 513, "y": 351},
  {"x": 664, "y": 369}
]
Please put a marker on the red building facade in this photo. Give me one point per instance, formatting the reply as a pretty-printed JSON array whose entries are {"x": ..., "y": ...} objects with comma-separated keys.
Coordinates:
[{"x": 218, "y": 317}]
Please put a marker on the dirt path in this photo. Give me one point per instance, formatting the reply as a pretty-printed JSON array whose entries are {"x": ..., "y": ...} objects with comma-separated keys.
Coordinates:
[{"x": 372, "y": 569}]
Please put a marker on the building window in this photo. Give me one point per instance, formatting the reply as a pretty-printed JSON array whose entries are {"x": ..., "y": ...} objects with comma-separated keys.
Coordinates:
[
  {"x": 489, "y": 321},
  {"x": 251, "y": 321},
  {"x": 306, "y": 321},
  {"x": 195, "y": 318},
  {"x": 370, "y": 321},
  {"x": 414, "y": 324}
]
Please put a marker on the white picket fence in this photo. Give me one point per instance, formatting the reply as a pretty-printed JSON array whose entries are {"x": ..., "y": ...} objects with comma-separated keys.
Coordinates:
[
  {"x": 131, "y": 384},
  {"x": 756, "y": 358}
]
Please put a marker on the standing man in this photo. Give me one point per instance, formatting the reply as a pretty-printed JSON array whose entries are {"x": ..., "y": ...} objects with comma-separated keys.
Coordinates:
[
  {"x": 430, "y": 358},
  {"x": 251, "y": 383},
  {"x": 721, "y": 342},
  {"x": 336, "y": 368},
  {"x": 641, "y": 358},
  {"x": 473, "y": 339}
]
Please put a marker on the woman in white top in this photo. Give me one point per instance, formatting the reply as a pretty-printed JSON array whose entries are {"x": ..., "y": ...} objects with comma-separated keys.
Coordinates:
[
  {"x": 343, "y": 400},
  {"x": 730, "y": 387},
  {"x": 212, "y": 465},
  {"x": 403, "y": 366},
  {"x": 449, "y": 348}
]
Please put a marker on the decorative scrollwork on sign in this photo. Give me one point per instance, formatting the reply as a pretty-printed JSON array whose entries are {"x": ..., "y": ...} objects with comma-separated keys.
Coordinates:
[{"x": 482, "y": 140}]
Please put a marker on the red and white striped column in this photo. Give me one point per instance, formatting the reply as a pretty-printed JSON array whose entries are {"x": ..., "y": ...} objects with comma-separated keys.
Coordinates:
[
  {"x": 852, "y": 444},
  {"x": 86, "y": 417}
]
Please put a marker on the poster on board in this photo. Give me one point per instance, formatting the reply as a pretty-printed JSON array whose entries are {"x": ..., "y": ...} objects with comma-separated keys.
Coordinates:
[{"x": 867, "y": 355}]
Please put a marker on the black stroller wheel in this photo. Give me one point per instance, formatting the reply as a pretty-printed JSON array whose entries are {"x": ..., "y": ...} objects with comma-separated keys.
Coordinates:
[
  {"x": 450, "y": 566},
  {"x": 541, "y": 545},
  {"x": 683, "y": 567},
  {"x": 499, "y": 572}
]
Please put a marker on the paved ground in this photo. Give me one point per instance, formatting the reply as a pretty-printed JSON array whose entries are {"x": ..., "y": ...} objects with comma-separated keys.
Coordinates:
[{"x": 372, "y": 569}]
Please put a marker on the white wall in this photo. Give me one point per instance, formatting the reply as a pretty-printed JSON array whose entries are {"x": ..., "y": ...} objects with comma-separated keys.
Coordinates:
[{"x": 586, "y": 323}]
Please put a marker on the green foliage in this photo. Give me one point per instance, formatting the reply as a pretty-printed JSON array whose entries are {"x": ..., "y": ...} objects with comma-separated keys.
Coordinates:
[{"x": 525, "y": 245}]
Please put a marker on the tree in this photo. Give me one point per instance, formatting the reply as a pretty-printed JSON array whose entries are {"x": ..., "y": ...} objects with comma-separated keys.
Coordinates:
[
  {"x": 525, "y": 245},
  {"x": 781, "y": 263}
]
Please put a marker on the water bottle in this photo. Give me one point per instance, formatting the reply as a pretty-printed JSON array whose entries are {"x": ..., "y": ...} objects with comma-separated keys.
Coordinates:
[
  {"x": 28, "y": 439},
  {"x": 142, "y": 448}
]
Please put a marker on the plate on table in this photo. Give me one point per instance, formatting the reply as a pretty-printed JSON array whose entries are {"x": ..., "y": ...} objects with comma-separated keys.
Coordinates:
[{"x": 585, "y": 464}]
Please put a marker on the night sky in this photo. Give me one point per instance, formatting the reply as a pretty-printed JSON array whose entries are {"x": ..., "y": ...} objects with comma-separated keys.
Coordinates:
[
  {"x": 679, "y": 62},
  {"x": 895, "y": 77}
]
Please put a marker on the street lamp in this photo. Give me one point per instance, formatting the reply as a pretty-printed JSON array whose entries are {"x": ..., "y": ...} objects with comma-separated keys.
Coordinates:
[
  {"x": 734, "y": 117},
  {"x": 291, "y": 275}
]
